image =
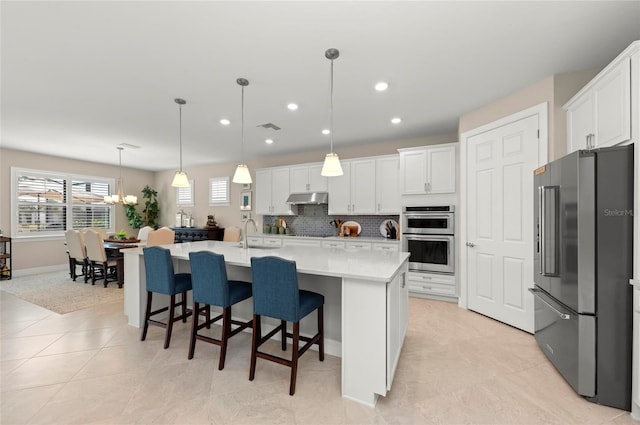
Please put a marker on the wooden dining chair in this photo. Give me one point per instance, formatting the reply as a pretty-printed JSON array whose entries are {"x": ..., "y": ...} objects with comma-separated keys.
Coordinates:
[
  {"x": 77, "y": 254},
  {"x": 97, "y": 257},
  {"x": 162, "y": 236},
  {"x": 231, "y": 234}
]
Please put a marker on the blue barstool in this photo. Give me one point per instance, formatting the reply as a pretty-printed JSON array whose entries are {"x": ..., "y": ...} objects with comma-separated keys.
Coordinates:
[
  {"x": 211, "y": 287},
  {"x": 276, "y": 294},
  {"x": 162, "y": 279}
]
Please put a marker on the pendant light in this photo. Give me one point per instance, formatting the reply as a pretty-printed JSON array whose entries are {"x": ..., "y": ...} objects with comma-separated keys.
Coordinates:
[
  {"x": 242, "y": 174},
  {"x": 180, "y": 179},
  {"x": 119, "y": 197},
  {"x": 331, "y": 166}
]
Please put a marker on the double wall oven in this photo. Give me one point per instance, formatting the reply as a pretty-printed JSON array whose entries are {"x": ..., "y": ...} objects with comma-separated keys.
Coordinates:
[{"x": 428, "y": 235}]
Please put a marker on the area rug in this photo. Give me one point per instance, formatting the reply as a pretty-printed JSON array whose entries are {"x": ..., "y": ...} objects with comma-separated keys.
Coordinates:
[{"x": 56, "y": 291}]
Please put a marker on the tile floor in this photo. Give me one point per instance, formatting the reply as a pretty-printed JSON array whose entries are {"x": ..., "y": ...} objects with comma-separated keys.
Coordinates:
[{"x": 89, "y": 367}]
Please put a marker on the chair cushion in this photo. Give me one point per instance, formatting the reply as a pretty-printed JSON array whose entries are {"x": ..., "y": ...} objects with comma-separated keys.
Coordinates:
[
  {"x": 238, "y": 291},
  {"x": 309, "y": 301},
  {"x": 183, "y": 282}
]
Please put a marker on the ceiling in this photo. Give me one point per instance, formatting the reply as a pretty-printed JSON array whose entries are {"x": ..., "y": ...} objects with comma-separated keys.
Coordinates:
[{"x": 80, "y": 78}]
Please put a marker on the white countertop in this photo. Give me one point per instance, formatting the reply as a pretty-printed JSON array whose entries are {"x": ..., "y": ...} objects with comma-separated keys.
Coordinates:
[
  {"x": 378, "y": 266},
  {"x": 327, "y": 238}
]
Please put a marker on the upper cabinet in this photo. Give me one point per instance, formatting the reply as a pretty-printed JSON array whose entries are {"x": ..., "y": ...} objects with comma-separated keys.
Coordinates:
[
  {"x": 272, "y": 191},
  {"x": 353, "y": 191},
  {"x": 388, "y": 185},
  {"x": 307, "y": 178},
  {"x": 600, "y": 114},
  {"x": 428, "y": 170},
  {"x": 368, "y": 186}
]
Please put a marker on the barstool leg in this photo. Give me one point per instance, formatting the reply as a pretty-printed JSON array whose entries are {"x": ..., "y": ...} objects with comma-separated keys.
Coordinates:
[
  {"x": 226, "y": 333},
  {"x": 283, "y": 336},
  {"x": 147, "y": 314},
  {"x": 294, "y": 357},
  {"x": 172, "y": 307},
  {"x": 194, "y": 330},
  {"x": 183, "y": 303},
  {"x": 254, "y": 345},
  {"x": 321, "y": 332}
]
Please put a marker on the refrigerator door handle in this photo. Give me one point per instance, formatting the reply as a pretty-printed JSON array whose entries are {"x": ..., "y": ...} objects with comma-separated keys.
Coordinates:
[
  {"x": 548, "y": 217},
  {"x": 538, "y": 294}
]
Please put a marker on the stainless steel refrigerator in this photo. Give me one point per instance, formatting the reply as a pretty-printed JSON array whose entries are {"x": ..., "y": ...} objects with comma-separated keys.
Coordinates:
[{"x": 582, "y": 265}]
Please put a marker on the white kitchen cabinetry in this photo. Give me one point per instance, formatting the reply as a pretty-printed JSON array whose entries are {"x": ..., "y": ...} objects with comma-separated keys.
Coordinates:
[
  {"x": 272, "y": 191},
  {"x": 433, "y": 284},
  {"x": 388, "y": 185},
  {"x": 428, "y": 170},
  {"x": 332, "y": 244},
  {"x": 397, "y": 321},
  {"x": 600, "y": 114},
  {"x": 301, "y": 242},
  {"x": 271, "y": 241},
  {"x": 386, "y": 247},
  {"x": 354, "y": 192},
  {"x": 362, "y": 246},
  {"x": 307, "y": 178},
  {"x": 254, "y": 241}
]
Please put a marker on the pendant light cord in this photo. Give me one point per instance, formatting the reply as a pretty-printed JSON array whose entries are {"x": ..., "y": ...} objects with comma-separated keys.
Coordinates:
[
  {"x": 180, "y": 125},
  {"x": 331, "y": 109},
  {"x": 242, "y": 127}
]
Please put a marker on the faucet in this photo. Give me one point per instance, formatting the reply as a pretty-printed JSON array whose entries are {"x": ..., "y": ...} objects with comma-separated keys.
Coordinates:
[{"x": 245, "y": 244}]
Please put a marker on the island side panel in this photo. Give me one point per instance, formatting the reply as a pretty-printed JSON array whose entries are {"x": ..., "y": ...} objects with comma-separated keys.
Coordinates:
[{"x": 364, "y": 340}]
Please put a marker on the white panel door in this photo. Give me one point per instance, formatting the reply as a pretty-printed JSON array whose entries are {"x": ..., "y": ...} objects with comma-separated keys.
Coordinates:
[{"x": 500, "y": 221}]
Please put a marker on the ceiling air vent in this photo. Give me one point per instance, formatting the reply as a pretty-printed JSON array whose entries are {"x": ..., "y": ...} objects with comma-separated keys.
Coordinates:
[{"x": 269, "y": 125}]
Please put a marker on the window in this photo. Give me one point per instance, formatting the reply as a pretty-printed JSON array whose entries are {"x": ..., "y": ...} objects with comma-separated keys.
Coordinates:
[
  {"x": 219, "y": 191},
  {"x": 48, "y": 203},
  {"x": 184, "y": 195}
]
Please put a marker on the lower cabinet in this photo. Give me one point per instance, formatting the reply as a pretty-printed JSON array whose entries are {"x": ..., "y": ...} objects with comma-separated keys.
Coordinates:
[
  {"x": 301, "y": 242},
  {"x": 397, "y": 320},
  {"x": 358, "y": 245},
  {"x": 332, "y": 244},
  {"x": 386, "y": 247},
  {"x": 433, "y": 284}
]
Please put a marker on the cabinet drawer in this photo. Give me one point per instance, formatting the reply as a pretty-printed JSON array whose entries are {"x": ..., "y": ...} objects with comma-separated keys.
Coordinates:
[
  {"x": 272, "y": 241},
  {"x": 386, "y": 247},
  {"x": 253, "y": 241},
  {"x": 431, "y": 288},
  {"x": 301, "y": 242},
  {"x": 359, "y": 245},
  {"x": 428, "y": 278},
  {"x": 332, "y": 244}
]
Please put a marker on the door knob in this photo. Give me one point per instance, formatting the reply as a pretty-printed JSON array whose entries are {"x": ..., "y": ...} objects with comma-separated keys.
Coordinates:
[{"x": 470, "y": 244}]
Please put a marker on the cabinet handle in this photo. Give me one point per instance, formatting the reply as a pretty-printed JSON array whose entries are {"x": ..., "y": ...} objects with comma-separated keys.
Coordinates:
[
  {"x": 425, "y": 188},
  {"x": 427, "y": 287},
  {"x": 378, "y": 207},
  {"x": 308, "y": 186},
  {"x": 428, "y": 186},
  {"x": 353, "y": 207},
  {"x": 426, "y": 278}
]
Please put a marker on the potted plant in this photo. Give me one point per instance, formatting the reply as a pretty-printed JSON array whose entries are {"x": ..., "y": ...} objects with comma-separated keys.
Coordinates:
[{"x": 149, "y": 216}]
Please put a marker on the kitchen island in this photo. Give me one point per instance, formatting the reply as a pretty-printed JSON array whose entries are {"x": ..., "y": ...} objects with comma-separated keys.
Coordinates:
[{"x": 366, "y": 303}]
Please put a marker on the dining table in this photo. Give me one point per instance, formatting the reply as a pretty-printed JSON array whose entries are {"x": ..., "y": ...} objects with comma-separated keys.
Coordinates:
[{"x": 113, "y": 249}]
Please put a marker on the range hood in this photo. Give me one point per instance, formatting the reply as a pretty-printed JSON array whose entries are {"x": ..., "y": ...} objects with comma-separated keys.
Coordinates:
[{"x": 308, "y": 198}]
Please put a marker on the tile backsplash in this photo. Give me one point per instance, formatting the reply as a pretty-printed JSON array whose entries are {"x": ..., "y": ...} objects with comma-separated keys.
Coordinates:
[{"x": 313, "y": 220}]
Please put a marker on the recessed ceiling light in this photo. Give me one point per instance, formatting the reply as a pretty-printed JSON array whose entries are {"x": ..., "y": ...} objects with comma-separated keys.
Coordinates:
[
  {"x": 269, "y": 141},
  {"x": 396, "y": 120},
  {"x": 225, "y": 121},
  {"x": 292, "y": 106},
  {"x": 381, "y": 86},
  {"x": 326, "y": 131}
]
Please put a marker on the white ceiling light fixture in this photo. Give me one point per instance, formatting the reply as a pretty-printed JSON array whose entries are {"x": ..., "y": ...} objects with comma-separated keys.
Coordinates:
[
  {"x": 269, "y": 141},
  {"x": 326, "y": 132},
  {"x": 292, "y": 107},
  {"x": 381, "y": 86},
  {"x": 225, "y": 121},
  {"x": 242, "y": 174},
  {"x": 180, "y": 179},
  {"x": 119, "y": 197},
  {"x": 396, "y": 120},
  {"x": 331, "y": 166}
]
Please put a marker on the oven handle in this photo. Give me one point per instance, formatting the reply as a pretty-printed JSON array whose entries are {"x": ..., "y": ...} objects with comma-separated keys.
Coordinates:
[
  {"x": 540, "y": 295},
  {"x": 427, "y": 237},
  {"x": 446, "y": 216}
]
